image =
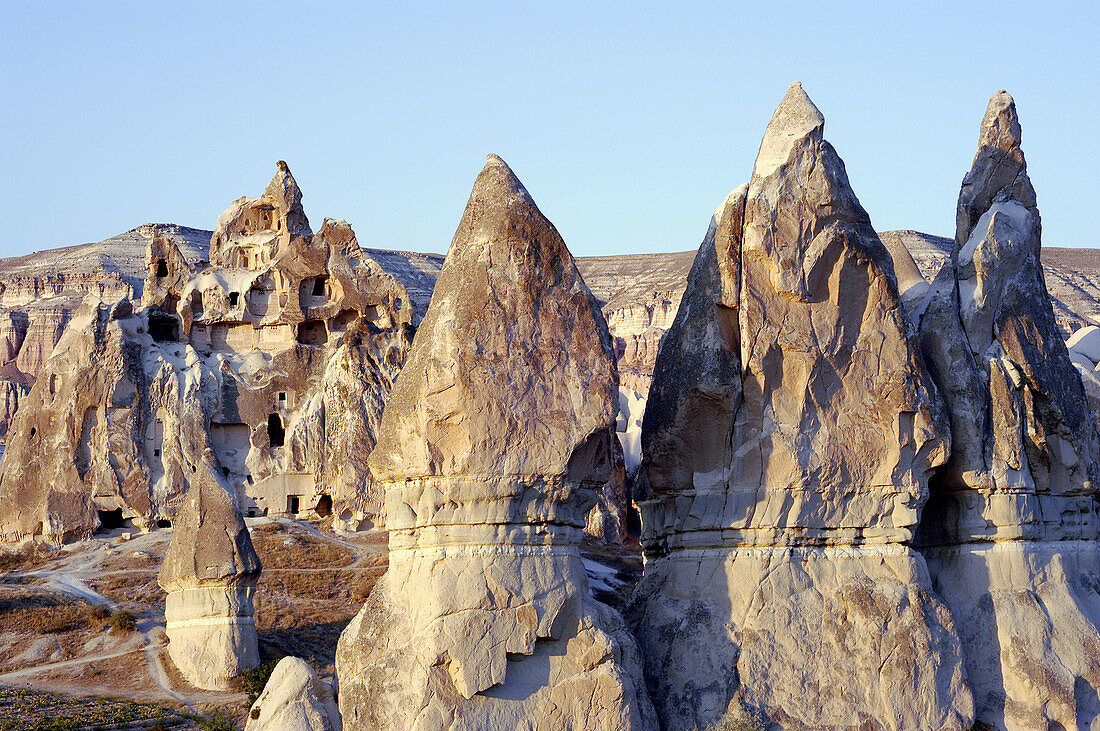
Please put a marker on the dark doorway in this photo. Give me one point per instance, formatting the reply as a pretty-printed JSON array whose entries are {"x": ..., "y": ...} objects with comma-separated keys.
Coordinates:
[
  {"x": 164, "y": 328},
  {"x": 110, "y": 519},
  {"x": 324, "y": 506},
  {"x": 164, "y": 523},
  {"x": 293, "y": 502},
  {"x": 312, "y": 332},
  {"x": 162, "y": 268},
  {"x": 275, "y": 431}
]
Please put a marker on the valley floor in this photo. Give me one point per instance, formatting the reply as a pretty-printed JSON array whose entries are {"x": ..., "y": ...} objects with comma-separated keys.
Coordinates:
[{"x": 68, "y": 661}]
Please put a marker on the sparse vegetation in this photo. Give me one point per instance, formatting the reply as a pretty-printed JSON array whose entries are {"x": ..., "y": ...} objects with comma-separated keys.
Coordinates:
[
  {"x": 253, "y": 681},
  {"x": 25, "y": 558},
  {"x": 217, "y": 721},
  {"x": 123, "y": 621},
  {"x": 44, "y": 711},
  {"x": 740, "y": 718}
]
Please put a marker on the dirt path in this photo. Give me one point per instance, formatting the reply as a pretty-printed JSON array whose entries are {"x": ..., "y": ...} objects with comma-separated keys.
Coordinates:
[{"x": 138, "y": 667}]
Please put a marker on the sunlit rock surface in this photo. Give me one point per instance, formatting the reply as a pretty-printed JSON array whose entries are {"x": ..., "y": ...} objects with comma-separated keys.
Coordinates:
[
  {"x": 278, "y": 356},
  {"x": 788, "y": 440},
  {"x": 1010, "y": 531},
  {"x": 495, "y": 445},
  {"x": 210, "y": 574},
  {"x": 294, "y": 699}
]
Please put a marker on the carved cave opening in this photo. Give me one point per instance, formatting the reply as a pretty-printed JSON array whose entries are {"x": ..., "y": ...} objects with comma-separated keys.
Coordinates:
[
  {"x": 324, "y": 506},
  {"x": 163, "y": 327},
  {"x": 110, "y": 519},
  {"x": 275, "y": 431},
  {"x": 312, "y": 332},
  {"x": 162, "y": 268}
]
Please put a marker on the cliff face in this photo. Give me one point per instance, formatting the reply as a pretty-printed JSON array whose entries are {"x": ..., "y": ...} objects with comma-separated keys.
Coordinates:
[
  {"x": 40, "y": 293},
  {"x": 277, "y": 359}
]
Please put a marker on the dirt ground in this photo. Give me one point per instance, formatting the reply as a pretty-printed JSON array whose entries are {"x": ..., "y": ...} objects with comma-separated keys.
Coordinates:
[
  {"x": 67, "y": 662},
  {"x": 57, "y": 610}
]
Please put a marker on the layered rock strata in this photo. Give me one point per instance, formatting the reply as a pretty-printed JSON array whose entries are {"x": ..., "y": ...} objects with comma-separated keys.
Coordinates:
[
  {"x": 210, "y": 574},
  {"x": 1010, "y": 532},
  {"x": 495, "y": 443},
  {"x": 788, "y": 439}
]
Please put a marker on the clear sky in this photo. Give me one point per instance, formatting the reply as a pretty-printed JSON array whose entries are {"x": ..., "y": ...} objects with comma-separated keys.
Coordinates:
[{"x": 628, "y": 122}]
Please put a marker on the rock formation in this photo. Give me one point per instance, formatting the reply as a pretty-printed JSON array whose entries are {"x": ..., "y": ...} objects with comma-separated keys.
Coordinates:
[
  {"x": 281, "y": 369},
  {"x": 788, "y": 439},
  {"x": 494, "y": 445},
  {"x": 210, "y": 574},
  {"x": 294, "y": 699},
  {"x": 1010, "y": 532}
]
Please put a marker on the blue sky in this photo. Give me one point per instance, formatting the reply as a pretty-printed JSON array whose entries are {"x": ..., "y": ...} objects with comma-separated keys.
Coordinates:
[{"x": 628, "y": 122}]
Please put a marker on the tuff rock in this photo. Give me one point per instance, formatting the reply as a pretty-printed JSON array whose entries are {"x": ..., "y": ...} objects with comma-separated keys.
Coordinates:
[
  {"x": 281, "y": 369},
  {"x": 789, "y": 436},
  {"x": 210, "y": 574},
  {"x": 1010, "y": 530},
  {"x": 495, "y": 444},
  {"x": 294, "y": 699}
]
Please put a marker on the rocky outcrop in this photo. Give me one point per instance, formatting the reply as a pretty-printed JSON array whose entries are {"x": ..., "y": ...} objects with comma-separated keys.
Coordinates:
[
  {"x": 495, "y": 444},
  {"x": 1010, "y": 531},
  {"x": 281, "y": 370},
  {"x": 41, "y": 292},
  {"x": 81, "y": 447},
  {"x": 210, "y": 574},
  {"x": 789, "y": 436},
  {"x": 294, "y": 699}
]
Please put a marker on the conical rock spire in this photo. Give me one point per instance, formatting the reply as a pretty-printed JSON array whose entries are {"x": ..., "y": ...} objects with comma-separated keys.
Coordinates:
[
  {"x": 789, "y": 438},
  {"x": 1010, "y": 530},
  {"x": 495, "y": 443},
  {"x": 210, "y": 574}
]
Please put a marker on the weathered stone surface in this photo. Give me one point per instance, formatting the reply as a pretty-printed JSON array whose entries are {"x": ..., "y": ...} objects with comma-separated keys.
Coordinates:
[
  {"x": 294, "y": 699},
  {"x": 788, "y": 439},
  {"x": 1011, "y": 527},
  {"x": 282, "y": 370},
  {"x": 78, "y": 444},
  {"x": 210, "y": 574},
  {"x": 495, "y": 443}
]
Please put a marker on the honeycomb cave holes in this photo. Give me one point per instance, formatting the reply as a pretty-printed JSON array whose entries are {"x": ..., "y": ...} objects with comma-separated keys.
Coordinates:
[{"x": 276, "y": 433}]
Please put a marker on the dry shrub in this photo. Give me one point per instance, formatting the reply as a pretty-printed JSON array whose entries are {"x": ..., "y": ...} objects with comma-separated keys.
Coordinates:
[
  {"x": 47, "y": 614},
  {"x": 25, "y": 558}
]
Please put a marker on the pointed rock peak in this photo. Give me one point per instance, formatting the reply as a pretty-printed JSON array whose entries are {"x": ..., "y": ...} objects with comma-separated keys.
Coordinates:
[
  {"x": 501, "y": 212},
  {"x": 498, "y": 183},
  {"x": 210, "y": 543},
  {"x": 795, "y": 119},
  {"x": 1001, "y": 126},
  {"x": 284, "y": 188},
  {"x": 999, "y": 171}
]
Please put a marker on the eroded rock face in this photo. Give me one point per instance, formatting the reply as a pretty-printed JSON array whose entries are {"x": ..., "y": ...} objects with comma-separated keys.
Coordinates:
[
  {"x": 788, "y": 440},
  {"x": 281, "y": 369},
  {"x": 1010, "y": 531},
  {"x": 210, "y": 574},
  {"x": 294, "y": 699},
  {"x": 495, "y": 444},
  {"x": 82, "y": 444}
]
